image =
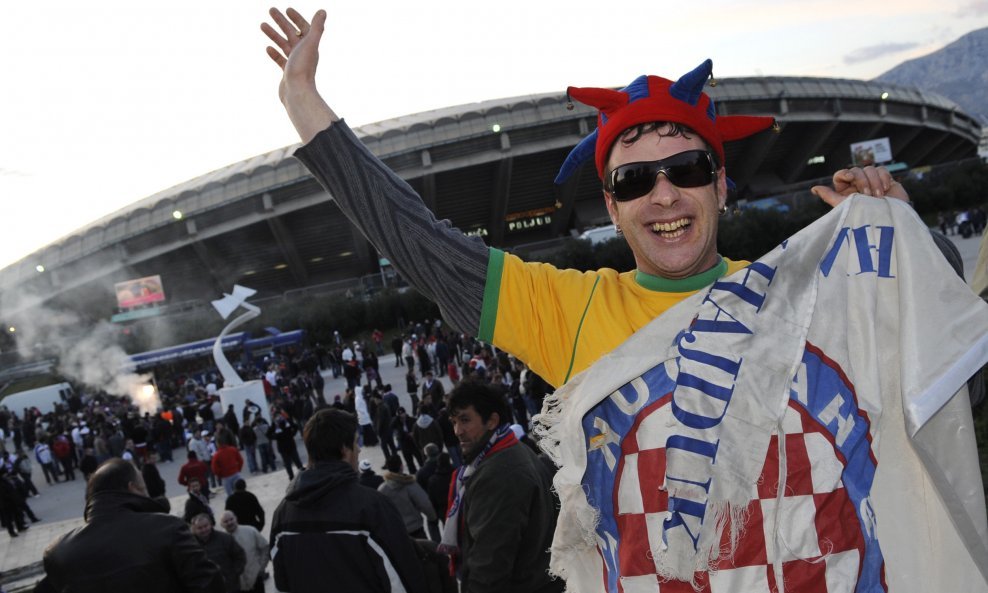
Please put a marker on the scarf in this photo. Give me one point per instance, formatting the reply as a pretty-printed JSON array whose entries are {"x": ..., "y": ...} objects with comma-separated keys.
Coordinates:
[{"x": 501, "y": 439}]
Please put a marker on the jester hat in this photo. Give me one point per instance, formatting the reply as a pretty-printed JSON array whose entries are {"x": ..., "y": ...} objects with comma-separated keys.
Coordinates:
[{"x": 654, "y": 99}]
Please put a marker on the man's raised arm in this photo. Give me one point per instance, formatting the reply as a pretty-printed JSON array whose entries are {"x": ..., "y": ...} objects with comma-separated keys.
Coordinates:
[{"x": 438, "y": 260}]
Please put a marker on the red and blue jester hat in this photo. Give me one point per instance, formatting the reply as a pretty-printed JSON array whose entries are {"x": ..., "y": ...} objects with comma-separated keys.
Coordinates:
[{"x": 655, "y": 99}]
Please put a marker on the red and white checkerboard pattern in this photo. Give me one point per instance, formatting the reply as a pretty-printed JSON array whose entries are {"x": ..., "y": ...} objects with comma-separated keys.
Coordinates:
[{"x": 822, "y": 541}]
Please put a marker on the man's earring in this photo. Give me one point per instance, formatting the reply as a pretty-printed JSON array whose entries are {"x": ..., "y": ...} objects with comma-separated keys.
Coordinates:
[
  {"x": 617, "y": 229},
  {"x": 722, "y": 210}
]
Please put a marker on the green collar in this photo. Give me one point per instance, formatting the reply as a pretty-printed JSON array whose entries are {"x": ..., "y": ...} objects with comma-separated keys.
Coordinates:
[{"x": 660, "y": 284}]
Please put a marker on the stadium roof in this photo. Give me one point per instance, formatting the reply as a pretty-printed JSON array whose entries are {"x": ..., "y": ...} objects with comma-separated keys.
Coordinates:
[{"x": 488, "y": 167}]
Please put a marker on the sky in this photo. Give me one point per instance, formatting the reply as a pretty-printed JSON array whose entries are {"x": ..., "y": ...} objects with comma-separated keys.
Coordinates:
[{"x": 106, "y": 103}]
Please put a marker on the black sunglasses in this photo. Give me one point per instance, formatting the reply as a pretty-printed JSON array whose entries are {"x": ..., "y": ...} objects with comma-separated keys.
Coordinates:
[{"x": 693, "y": 168}]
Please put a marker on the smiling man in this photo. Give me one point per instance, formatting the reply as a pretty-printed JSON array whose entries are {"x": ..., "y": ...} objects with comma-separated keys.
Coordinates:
[{"x": 773, "y": 442}]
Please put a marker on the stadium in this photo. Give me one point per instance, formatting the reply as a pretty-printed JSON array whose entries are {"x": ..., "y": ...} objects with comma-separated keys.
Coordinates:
[{"x": 487, "y": 167}]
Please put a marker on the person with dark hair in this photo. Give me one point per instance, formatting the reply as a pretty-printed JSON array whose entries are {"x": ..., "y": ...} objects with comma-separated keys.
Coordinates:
[
  {"x": 248, "y": 440},
  {"x": 152, "y": 477},
  {"x": 502, "y": 513},
  {"x": 404, "y": 425},
  {"x": 227, "y": 462},
  {"x": 127, "y": 543},
  {"x": 438, "y": 485},
  {"x": 22, "y": 467},
  {"x": 245, "y": 506},
  {"x": 197, "y": 503},
  {"x": 11, "y": 511},
  {"x": 408, "y": 497},
  {"x": 329, "y": 528},
  {"x": 193, "y": 469},
  {"x": 264, "y": 450},
  {"x": 283, "y": 433},
  {"x": 222, "y": 549}
]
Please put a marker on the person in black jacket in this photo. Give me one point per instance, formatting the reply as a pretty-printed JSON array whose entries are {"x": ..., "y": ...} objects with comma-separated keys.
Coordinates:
[
  {"x": 197, "y": 503},
  {"x": 245, "y": 506},
  {"x": 330, "y": 529},
  {"x": 367, "y": 475},
  {"x": 222, "y": 549},
  {"x": 152, "y": 477},
  {"x": 283, "y": 432},
  {"x": 127, "y": 543}
]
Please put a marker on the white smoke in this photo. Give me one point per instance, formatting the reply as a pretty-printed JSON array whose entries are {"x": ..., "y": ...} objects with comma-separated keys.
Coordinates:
[
  {"x": 87, "y": 354},
  {"x": 96, "y": 360}
]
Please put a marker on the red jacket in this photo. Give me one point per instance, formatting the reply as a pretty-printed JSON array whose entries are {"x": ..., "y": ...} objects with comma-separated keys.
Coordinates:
[
  {"x": 193, "y": 469},
  {"x": 227, "y": 461}
]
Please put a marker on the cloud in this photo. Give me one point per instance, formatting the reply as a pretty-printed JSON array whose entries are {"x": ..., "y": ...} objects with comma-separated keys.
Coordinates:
[{"x": 872, "y": 52}]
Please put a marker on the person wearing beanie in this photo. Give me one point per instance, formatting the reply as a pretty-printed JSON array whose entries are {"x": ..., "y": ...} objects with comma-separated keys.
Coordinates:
[
  {"x": 427, "y": 431},
  {"x": 699, "y": 394},
  {"x": 408, "y": 497},
  {"x": 367, "y": 475}
]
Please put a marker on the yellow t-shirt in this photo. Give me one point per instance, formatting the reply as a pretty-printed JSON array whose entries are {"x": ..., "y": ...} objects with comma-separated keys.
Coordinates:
[{"x": 561, "y": 321}]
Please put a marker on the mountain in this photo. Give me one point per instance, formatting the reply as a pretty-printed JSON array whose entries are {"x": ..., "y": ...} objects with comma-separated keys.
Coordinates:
[{"x": 959, "y": 72}]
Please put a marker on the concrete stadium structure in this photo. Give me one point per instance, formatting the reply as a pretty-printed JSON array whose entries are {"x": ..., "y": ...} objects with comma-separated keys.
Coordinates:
[{"x": 488, "y": 167}]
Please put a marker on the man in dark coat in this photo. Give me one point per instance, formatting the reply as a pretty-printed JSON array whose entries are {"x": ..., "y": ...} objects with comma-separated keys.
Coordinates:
[
  {"x": 504, "y": 512},
  {"x": 283, "y": 432},
  {"x": 245, "y": 506},
  {"x": 127, "y": 543},
  {"x": 152, "y": 477},
  {"x": 330, "y": 529},
  {"x": 222, "y": 549}
]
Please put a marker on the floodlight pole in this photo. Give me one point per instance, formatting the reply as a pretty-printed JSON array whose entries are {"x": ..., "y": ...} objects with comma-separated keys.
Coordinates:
[{"x": 230, "y": 376}]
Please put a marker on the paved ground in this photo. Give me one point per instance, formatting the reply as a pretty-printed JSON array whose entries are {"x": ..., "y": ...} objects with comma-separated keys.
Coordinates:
[{"x": 61, "y": 505}]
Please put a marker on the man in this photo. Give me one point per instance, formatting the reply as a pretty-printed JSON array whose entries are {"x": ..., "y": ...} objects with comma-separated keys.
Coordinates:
[
  {"x": 193, "y": 469},
  {"x": 368, "y": 477},
  {"x": 127, "y": 543},
  {"x": 255, "y": 549},
  {"x": 201, "y": 446},
  {"x": 43, "y": 454},
  {"x": 248, "y": 439},
  {"x": 408, "y": 497},
  {"x": 197, "y": 503},
  {"x": 330, "y": 529},
  {"x": 432, "y": 386},
  {"x": 227, "y": 461},
  {"x": 222, "y": 549},
  {"x": 659, "y": 151},
  {"x": 283, "y": 433},
  {"x": 502, "y": 512},
  {"x": 245, "y": 506},
  {"x": 152, "y": 477},
  {"x": 264, "y": 450}
]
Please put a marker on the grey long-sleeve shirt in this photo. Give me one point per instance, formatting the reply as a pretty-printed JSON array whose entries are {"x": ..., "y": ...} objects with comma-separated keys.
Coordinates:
[{"x": 442, "y": 263}]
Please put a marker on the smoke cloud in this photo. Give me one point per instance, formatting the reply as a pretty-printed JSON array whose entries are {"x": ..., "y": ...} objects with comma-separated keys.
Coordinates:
[{"x": 87, "y": 354}]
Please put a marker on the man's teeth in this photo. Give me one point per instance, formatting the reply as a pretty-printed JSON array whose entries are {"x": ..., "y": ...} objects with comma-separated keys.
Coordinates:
[{"x": 668, "y": 227}]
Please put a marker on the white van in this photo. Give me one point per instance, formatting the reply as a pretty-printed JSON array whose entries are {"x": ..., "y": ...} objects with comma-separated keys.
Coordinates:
[
  {"x": 600, "y": 234},
  {"x": 43, "y": 398}
]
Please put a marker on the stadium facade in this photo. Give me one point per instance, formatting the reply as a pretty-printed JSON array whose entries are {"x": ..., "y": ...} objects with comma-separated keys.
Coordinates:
[{"x": 487, "y": 167}]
